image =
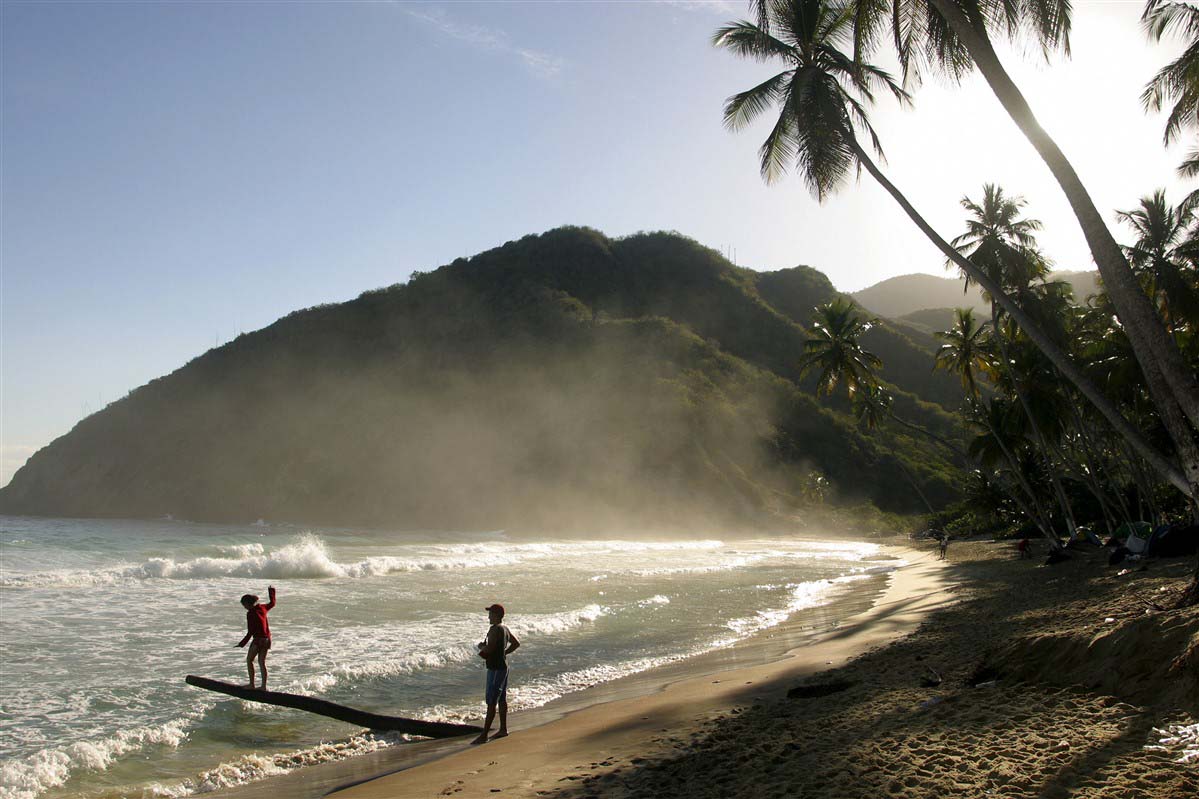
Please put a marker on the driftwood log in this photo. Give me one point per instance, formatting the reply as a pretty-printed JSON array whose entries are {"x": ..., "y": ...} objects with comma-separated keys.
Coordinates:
[{"x": 374, "y": 721}]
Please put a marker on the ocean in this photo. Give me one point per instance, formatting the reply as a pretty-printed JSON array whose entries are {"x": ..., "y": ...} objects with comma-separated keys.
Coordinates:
[{"x": 100, "y": 620}]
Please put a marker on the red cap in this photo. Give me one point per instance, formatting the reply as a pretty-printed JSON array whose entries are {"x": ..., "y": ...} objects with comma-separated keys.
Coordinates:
[{"x": 496, "y": 606}]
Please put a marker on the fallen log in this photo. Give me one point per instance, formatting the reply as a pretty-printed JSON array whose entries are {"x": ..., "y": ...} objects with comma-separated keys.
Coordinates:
[{"x": 374, "y": 721}]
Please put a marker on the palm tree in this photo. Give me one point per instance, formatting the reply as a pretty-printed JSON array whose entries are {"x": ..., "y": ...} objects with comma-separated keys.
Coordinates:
[
  {"x": 871, "y": 406},
  {"x": 966, "y": 351},
  {"x": 822, "y": 95},
  {"x": 834, "y": 351},
  {"x": 1163, "y": 254},
  {"x": 1003, "y": 243}
]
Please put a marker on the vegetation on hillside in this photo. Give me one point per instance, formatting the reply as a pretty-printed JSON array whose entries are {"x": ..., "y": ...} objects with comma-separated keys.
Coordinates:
[{"x": 564, "y": 380}]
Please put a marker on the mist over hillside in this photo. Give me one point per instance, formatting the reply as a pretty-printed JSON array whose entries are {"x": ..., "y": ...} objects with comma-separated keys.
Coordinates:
[{"x": 565, "y": 380}]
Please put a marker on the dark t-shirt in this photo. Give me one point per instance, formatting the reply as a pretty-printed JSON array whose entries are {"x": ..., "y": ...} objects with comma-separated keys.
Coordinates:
[{"x": 498, "y": 639}]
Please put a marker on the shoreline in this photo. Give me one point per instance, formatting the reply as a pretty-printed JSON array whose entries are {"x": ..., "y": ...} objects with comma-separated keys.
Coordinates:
[
  {"x": 1023, "y": 681},
  {"x": 540, "y": 756}
]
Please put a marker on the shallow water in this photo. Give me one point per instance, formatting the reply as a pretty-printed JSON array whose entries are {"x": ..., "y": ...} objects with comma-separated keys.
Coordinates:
[{"x": 101, "y": 620}]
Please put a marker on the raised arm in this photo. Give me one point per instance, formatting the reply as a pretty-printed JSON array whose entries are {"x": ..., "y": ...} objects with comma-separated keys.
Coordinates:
[{"x": 270, "y": 589}]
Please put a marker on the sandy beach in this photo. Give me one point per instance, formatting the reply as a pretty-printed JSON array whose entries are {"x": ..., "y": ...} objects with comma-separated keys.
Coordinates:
[{"x": 1055, "y": 681}]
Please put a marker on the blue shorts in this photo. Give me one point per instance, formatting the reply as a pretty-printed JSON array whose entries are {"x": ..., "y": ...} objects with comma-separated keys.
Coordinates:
[{"x": 497, "y": 686}]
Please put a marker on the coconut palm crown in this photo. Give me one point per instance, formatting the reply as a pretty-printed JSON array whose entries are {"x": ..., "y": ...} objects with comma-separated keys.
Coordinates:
[
  {"x": 1000, "y": 241},
  {"x": 1165, "y": 254},
  {"x": 966, "y": 350},
  {"x": 834, "y": 351},
  {"x": 821, "y": 97}
]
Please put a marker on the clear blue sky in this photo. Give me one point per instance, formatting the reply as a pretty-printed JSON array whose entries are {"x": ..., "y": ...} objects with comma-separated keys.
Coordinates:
[{"x": 177, "y": 173}]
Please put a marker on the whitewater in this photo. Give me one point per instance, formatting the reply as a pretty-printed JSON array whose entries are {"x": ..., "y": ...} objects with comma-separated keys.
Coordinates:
[{"x": 101, "y": 620}]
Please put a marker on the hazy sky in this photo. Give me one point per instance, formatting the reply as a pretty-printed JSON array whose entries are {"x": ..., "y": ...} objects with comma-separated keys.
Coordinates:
[{"x": 174, "y": 174}]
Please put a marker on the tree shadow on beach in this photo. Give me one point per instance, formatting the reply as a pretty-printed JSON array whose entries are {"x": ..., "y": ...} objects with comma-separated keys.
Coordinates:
[{"x": 890, "y": 733}]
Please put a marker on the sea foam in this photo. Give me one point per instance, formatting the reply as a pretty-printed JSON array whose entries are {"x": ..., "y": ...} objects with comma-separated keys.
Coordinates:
[{"x": 28, "y": 777}]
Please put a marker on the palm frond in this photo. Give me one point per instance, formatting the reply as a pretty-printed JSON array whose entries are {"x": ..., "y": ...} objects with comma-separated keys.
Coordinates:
[
  {"x": 1048, "y": 21},
  {"x": 943, "y": 48},
  {"x": 742, "y": 109},
  {"x": 906, "y": 16},
  {"x": 869, "y": 21},
  {"x": 1177, "y": 83},
  {"x": 749, "y": 41},
  {"x": 1160, "y": 18},
  {"x": 779, "y": 149},
  {"x": 1189, "y": 168}
]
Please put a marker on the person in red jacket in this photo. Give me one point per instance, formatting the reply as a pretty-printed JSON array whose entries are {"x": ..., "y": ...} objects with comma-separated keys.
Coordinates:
[{"x": 258, "y": 631}]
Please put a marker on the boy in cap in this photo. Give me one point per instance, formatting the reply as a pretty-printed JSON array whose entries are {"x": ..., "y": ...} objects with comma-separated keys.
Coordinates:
[{"x": 500, "y": 643}]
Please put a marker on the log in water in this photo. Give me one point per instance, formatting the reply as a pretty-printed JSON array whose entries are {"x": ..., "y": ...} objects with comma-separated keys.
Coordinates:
[{"x": 374, "y": 721}]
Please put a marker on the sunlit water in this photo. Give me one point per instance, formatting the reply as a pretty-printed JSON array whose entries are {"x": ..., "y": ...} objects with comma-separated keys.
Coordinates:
[{"x": 101, "y": 620}]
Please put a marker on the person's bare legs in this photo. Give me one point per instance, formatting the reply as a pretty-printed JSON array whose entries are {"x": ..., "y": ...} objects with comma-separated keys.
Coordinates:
[
  {"x": 253, "y": 653},
  {"x": 482, "y": 739},
  {"x": 503, "y": 730},
  {"x": 262, "y": 665}
]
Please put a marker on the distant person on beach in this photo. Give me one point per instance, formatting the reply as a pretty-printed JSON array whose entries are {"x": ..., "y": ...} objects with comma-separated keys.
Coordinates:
[
  {"x": 500, "y": 643},
  {"x": 257, "y": 631},
  {"x": 944, "y": 548},
  {"x": 1024, "y": 548}
]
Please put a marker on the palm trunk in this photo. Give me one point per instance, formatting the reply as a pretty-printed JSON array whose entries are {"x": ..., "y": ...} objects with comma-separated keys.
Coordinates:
[
  {"x": 1032, "y": 514},
  {"x": 1052, "y": 351},
  {"x": 949, "y": 445},
  {"x": 1031, "y": 503},
  {"x": 1040, "y": 517},
  {"x": 1096, "y": 473},
  {"x": 1042, "y": 444},
  {"x": 1170, "y": 380},
  {"x": 912, "y": 482}
]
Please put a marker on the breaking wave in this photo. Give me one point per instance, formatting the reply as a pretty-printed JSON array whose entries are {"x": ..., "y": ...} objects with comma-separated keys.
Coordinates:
[
  {"x": 308, "y": 558},
  {"x": 803, "y": 595}
]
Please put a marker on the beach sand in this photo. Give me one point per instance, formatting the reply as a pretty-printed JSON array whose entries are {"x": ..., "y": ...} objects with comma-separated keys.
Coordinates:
[{"x": 1075, "y": 668}]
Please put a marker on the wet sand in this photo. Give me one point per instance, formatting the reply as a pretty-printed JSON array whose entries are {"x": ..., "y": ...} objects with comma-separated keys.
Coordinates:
[{"x": 1054, "y": 682}]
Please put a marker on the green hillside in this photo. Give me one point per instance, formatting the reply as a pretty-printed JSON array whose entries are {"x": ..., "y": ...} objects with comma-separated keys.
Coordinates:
[{"x": 566, "y": 380}]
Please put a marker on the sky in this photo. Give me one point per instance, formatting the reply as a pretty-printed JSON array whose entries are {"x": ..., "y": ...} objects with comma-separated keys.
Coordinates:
[{"x": 175, "y": 174}]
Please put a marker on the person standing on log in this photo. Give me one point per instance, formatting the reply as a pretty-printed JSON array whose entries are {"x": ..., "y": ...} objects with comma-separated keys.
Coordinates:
[
  {"x": 500, "y": 643},
  {"x": 258, "y": 631}
]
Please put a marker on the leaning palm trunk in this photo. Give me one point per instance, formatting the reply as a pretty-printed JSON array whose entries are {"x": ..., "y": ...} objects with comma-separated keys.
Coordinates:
[
  {"x": 949, "y": 445},
  {"x": 1051, "y": 350},
  {"x": 1033, "y": 508},
  {"x": 1170, "y": 380},
  {"x": 1043, "y": 445},
  {"x": 1030, "y": 504},
  {"x": 911, "y": 478},
  {"x": 1095, "y": 474}
]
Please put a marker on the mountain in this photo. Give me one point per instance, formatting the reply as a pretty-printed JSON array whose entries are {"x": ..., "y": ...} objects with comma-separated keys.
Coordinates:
[
  {"x": 901, "y": 297},
  {"x": 562, "y": 380}
]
